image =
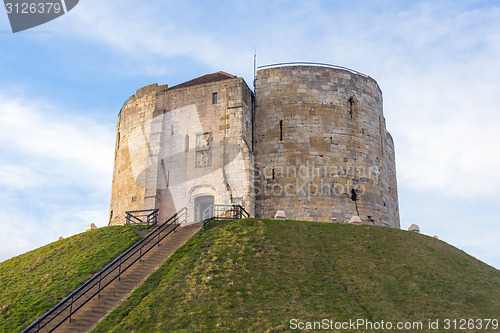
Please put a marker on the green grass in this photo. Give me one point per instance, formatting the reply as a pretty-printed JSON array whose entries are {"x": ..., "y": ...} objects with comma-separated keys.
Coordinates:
[
  {"x": 34, "y": 282},
  {"x": 256, "y": 275}
]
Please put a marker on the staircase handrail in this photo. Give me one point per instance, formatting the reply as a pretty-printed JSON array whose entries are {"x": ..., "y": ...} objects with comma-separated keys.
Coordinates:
[
  {"x": 102, "y": 274},
  {"x": 238, "y": 213},
  {"x": 134, "y": 217}
]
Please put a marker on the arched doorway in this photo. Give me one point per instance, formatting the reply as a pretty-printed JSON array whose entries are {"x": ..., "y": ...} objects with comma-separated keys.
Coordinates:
[{"x": 200, "y": 204}]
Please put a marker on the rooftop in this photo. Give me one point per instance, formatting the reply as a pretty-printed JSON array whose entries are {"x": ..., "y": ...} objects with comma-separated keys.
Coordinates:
[{"x": 209, "y": 78}]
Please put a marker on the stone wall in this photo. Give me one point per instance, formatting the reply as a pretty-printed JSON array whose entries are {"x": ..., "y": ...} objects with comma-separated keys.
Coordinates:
[
  {"x": 312, "y": 142},
  {"x": 322, "y": 152},
  {"x": 185, "y": 143},
  {"x": 128, "y": 190}
]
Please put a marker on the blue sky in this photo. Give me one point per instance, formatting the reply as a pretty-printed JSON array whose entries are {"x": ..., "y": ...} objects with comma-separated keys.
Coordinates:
[{"x": 62, "y": 85}]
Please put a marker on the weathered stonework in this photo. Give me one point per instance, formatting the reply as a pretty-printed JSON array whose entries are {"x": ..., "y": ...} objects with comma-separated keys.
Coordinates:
[
  {"x": 322, "y": 151},
  {"x": 127, "y": 191},
  {"x": 177, "y": 144},
  {"x": 209, "y": 140}
]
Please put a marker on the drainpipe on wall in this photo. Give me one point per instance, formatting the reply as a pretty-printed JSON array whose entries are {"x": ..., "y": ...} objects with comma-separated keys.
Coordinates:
[{"x": 224, "y": 148}]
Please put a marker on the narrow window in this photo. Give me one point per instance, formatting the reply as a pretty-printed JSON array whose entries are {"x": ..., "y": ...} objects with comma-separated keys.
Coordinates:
[
  {"x": 351, "y": 106},
  {"x": 186, "y": 143},
  {"x": 118, "y": 141},
  {"x": 172, "y": 130},
  {"x": 273, "y": 174},
  {"x": 281, "y": 130},
  {"x": 214, "y": 98},
  {"x": 354, "y": 195}
]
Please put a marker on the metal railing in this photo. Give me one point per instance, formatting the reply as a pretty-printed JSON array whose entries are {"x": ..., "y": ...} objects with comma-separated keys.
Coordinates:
[
  {"x": 112, "y": 272},
  {"x": 304, "y": 63},
  {"x": 223, "y": 212},
  {"x": 148, "y": 217}
]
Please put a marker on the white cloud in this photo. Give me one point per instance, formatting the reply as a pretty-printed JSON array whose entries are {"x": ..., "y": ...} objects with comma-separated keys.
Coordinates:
[
  {"x": 16, "y": 177},
  {"x": 468, "y": 224},
  {"x": 24, "y": 230},
  {"x": 52, "y": 142},
  {"x": 445, "y": 127},
  {"x": 143, "y": 34},
  {"x": 55, "y": 174},
  {"x": 456, "y": 158}
]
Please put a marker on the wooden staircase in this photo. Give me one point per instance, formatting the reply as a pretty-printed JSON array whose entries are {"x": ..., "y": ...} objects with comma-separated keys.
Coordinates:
[{"x": 86, "y": 318}]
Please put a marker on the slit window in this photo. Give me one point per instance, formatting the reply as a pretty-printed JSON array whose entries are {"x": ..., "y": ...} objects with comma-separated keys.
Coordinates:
[
  {"x": 354, "y": 195},
  {"x": 214, "y": 98},
  {"x": 351, "y": 106},
  {"x": 186, "y": 143},
  {"x": 281, "y": 130}
]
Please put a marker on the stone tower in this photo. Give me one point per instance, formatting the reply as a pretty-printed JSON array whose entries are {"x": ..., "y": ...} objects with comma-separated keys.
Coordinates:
[
  {"x": 184, "y": 146},
  {"x": 322, "y": 152},
  {"x": 310, "y": 141}
]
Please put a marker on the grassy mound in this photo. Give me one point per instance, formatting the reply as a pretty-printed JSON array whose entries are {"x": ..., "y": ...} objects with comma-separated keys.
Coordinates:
[
  {"x": 257, "y": 275},
  {"x": 32, "y": 283}
]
